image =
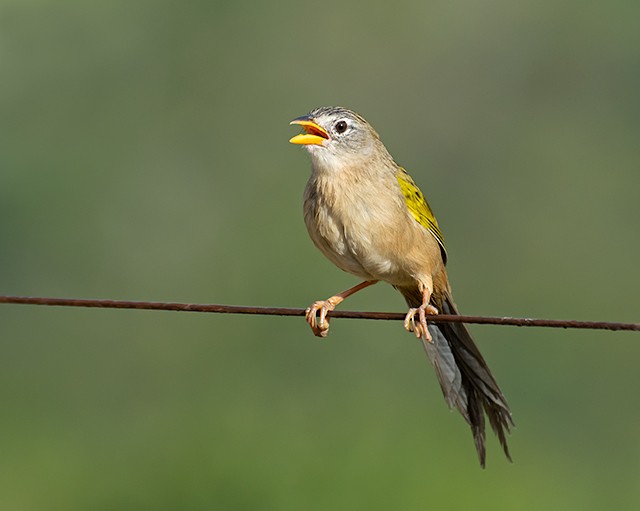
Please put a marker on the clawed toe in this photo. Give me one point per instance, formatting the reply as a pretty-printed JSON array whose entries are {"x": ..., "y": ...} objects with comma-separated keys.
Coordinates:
[
  {"x": 419, "y": 328},
  {"x": 319, "y": 326}
]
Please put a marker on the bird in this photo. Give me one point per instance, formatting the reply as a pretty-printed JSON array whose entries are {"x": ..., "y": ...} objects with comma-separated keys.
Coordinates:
[{"x": 366, "y": 214}]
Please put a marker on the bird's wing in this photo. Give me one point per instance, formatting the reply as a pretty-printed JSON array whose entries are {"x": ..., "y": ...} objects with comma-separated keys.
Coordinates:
[{"x": 419, "y": 208}]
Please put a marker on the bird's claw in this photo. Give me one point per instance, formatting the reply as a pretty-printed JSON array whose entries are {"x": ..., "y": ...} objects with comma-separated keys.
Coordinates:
[
  {"x": 419, "y": 329},
  {"x": 319, "y": 326}
]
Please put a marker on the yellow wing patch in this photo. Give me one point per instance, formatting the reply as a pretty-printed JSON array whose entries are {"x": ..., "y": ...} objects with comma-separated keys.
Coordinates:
[{"x": 419, "y": 208}]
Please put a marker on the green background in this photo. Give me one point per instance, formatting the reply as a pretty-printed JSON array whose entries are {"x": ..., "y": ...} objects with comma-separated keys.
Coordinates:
[{"x": 144, "y": 156}]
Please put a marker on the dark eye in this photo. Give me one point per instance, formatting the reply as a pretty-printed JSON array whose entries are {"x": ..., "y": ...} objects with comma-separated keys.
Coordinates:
[{"x": 341, "y": 126}]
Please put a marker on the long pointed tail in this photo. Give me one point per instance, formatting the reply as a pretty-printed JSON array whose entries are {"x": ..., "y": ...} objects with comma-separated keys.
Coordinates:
[{"x": 465, "y": 378}]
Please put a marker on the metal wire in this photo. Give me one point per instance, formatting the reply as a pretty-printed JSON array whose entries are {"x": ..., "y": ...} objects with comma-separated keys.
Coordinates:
[{"x": 283, "y": 311}]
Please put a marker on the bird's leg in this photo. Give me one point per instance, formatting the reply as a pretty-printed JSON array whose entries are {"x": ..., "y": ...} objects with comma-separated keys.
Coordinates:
[
  {"x": 420, "y": 329},
  {"x": 320, "y": 326}
]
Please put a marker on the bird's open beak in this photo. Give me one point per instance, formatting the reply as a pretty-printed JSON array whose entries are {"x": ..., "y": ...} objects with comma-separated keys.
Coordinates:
[{"x": 314, "y": 134}]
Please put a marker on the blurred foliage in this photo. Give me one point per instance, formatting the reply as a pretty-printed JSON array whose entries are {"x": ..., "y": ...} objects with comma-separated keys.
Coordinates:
[{"x": 144, "y": 155}]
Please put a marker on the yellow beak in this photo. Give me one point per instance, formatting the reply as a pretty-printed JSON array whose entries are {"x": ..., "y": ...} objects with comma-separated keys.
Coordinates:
[{"x": 314, "y": 134}]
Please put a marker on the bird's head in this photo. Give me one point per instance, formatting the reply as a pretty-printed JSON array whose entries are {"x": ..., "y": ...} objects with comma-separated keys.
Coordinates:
[{"x": 336, "y": 136}]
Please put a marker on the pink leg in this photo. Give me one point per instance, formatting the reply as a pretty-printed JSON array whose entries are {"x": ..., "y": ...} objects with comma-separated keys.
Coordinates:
[
  {"x": 421, "y": 329},
  {"x": 320, "y": 327}
]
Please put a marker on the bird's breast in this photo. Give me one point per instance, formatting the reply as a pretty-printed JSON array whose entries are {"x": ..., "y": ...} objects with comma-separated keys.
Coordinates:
[{"x": 362, "y": 227}]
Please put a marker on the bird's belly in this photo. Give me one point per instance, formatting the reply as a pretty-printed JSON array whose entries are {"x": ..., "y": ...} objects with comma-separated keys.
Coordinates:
[
  {"x": 379, "y": 262},
  {"x": 330, "y": 238},
  {"x": 360, "y": 249}
]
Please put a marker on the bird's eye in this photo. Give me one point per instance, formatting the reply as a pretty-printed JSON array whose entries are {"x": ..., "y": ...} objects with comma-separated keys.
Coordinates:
[{"x": 341, "y": 126}]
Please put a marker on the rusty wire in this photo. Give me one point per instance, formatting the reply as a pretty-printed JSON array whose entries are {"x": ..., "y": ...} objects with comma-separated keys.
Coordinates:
[{"x": 284, "y": 311}]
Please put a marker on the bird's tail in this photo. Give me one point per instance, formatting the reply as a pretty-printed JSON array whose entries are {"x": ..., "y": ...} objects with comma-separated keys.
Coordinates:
[{"x": 465, "y": 378}]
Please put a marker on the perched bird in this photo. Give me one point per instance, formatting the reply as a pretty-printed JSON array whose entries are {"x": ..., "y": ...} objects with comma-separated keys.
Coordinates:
[{"x": 368, "y": 217}]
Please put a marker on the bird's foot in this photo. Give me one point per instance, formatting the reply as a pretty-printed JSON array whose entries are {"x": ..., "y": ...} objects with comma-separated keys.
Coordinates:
[
  {"x": 420, "y": 328},
  {"x": 320, "y": 326}
]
